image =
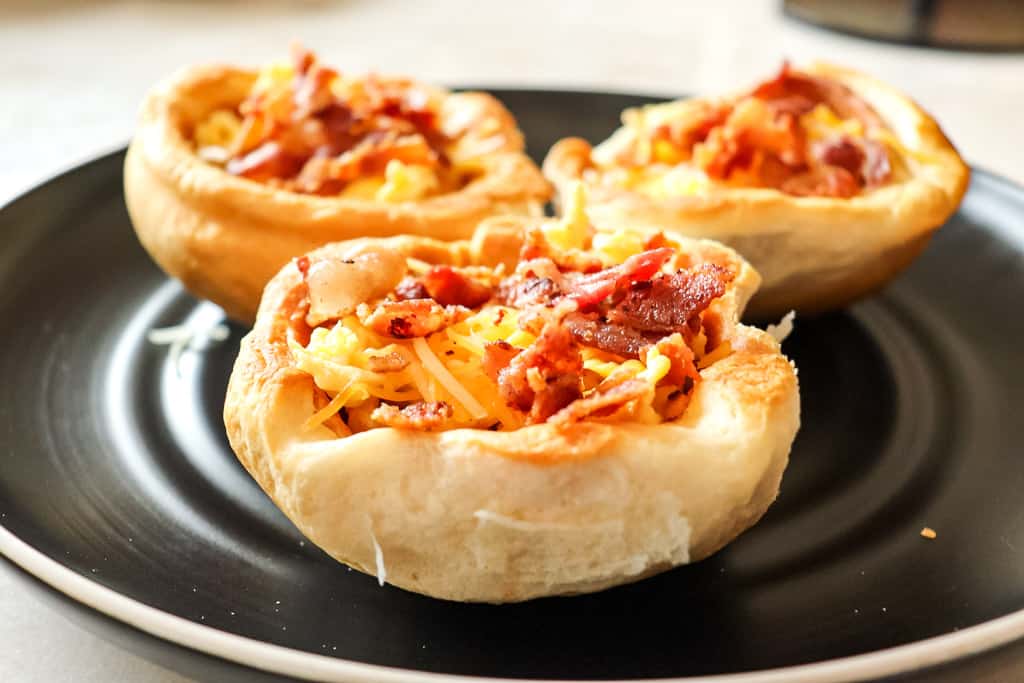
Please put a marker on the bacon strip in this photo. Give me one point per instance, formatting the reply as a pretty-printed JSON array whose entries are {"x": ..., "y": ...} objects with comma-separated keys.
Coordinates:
[
  {"x": 448, "y": 287},
  {"x": 666, "y": 304},
  {"x": 590, "y": 330},
  {"x": 310, "y": 140},
  {"x": 545, "y": 377},
  {"x": 600, "y": 403},
  {"x": 758, "y": 139},
  {"x": 420, "y": 416},
  {"x": 865, "y": 159},
  {"x": 406, "y": 319},
  {"x": 592, "y": 289},
  {"x": 800, "y": 92},
  {"x": 497, "y": 356}
]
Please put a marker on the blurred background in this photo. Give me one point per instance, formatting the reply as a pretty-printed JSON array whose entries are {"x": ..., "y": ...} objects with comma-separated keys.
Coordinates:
[{"x": 74, "y": 72}]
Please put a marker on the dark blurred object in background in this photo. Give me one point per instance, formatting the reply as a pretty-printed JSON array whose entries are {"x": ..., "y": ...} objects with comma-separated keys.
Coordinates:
[{"x": 996, "y": 25}]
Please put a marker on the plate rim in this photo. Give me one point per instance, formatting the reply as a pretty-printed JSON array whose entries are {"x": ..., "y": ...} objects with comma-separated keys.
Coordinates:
[{"x": 291, "y": 662}]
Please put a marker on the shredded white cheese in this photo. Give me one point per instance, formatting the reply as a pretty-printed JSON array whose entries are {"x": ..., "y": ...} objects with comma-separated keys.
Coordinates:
[
  {"x": 435, "y": 367},
  {"x": 187, "y": 336},
  {"x": 783, "y": 328}
]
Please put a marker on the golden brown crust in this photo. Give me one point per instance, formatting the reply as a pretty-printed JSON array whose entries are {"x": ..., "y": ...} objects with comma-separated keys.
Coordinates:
[
  {"x": 225, "y": 236},
  {"x": 814, "y": 253},
  {"x": 476, "y": 515}
]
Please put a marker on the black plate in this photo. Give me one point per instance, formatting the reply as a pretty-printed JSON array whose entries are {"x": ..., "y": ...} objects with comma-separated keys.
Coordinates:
[{"x": 118, "y": 481}]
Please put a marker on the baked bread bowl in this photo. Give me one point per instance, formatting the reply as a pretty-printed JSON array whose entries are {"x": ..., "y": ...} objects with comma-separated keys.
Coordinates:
[
  {"x": 232, "y": 172},
  {"x": 543, "y": 432},
  {"x": 828, "y": 181}
]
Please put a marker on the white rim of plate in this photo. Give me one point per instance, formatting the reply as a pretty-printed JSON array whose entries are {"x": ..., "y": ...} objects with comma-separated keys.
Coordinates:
[{"x": 308, "y": 666}]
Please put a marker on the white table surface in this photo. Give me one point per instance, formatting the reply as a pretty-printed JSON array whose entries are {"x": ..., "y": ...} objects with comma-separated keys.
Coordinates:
[{"x": 72, "y": 75}]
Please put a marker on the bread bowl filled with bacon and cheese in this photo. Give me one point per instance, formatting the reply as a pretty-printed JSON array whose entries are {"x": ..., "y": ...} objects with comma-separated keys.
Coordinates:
[
  {"x": 538, "y": 410},
  {"x": 232, "y": 172},
  {"x": 828, "y": 181}
]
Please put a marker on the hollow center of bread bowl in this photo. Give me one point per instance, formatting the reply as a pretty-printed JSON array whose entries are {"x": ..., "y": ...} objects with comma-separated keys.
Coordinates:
[
  {"x": 305, "y": 128},
  {"x": 563, "y": 325},
  {"x": 796, "y": 133}
]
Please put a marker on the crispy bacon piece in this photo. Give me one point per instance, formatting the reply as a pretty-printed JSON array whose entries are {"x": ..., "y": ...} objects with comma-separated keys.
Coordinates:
[
  {"x": 666, "y": 304},
  {"x": 266, "y": 162},
  {"x": 497, "y": 356},
  {"x": 312, "y": 91},
  {"x": 842, "y": 152},
  {"x": 694, "y": 128},
  {"x": 310, "y": 140},
  {"x": 600, "y": 403},
  {"x": 420, "y": 416},
  {"x": 545, "y": 377},
  {"x": 800, "y": 92},
  {"x": 411, "y": 318},
  {"x": 752, "y": 131},
  {"x": 760, "y": 138},
  {"x": 866, "y": 160},
  {"x": 537, "y": 281},
  {"x": 589, "y": 329},
  {"x": 386, "y": 360},
  {"x": 449, "y": 287},
  {"x": 592, "y": 289}
]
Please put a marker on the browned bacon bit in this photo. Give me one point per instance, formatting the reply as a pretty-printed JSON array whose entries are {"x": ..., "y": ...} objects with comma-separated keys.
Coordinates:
[
  {"x": 600, "y": 403},
  {"x": 789, "y": 87},
  {"x": 694, "y": 127},
  {"x": 535, "y": 282},
  {"x": 497, "y": 356},
  {"x": 842, "y": 152},
  {"x": 449, "y": 287},
  {"x": 592, "y": 289},
  {"x": 823, "y": 181},
  {"x": 559, "y": 392},
  {"x": 666, "y": 304},
  {"x": 411, "y": 288},
  {"x": 589, "y": 330},
  {"x": 313, "y": 140},
  {"x": 266, "y": 162},
  {"x": 753, "y": 131},
  {"x": 412, "y": 318},
  {"x": 313, "y": 90},
  {"x": 300, "y": 330},
  {"x": 420, "y": 416},
  {"x": 302, "y": 263},
  {"x": 386, "y": 360},
  {"x": 545, "y": 377},
  {"x": 866, "y": 160}
]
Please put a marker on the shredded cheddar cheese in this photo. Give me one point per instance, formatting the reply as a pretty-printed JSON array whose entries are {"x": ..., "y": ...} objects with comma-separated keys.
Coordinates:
[
  {"x": 445, "y": 366},
  {"x": 573, "y": 229},
  {"x": 441, "y": 373}
]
